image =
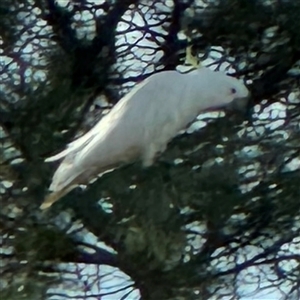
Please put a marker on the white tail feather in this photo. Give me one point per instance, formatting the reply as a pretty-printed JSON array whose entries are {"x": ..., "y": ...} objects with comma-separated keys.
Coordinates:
[{"x": 55, "y": 196}]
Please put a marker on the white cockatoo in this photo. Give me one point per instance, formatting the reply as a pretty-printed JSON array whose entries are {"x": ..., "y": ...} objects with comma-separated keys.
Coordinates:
[{"x": 141, "y": 124}]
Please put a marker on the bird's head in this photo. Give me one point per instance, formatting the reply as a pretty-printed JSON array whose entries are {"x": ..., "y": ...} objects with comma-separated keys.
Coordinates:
[
  {"x": 237, "y": 95},
  {"x": 222, "y": 91}
]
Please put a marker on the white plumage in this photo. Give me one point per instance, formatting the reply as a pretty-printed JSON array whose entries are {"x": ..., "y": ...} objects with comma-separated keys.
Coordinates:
[{"x": 141, "y": 124}]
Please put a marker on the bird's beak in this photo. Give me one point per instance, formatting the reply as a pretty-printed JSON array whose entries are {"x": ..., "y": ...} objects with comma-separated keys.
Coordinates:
[
  {"x": 243, "y": 106},
  {"x": 240, "y": 104}
]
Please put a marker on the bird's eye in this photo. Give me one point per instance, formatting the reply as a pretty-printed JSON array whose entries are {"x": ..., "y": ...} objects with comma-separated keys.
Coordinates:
[{"x": 233, "y": 90}]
